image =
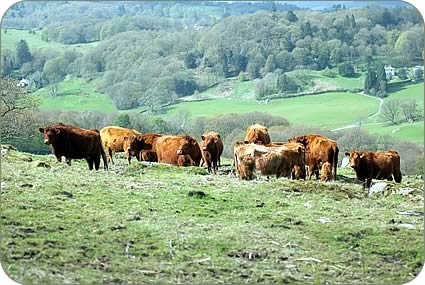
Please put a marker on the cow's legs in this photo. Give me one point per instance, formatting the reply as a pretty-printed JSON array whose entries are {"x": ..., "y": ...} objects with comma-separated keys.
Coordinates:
[
  {"x": 109, "y": 155},
  {"x": 68, "y": 161},
  {"x": 97, "y": 162},
  {"x": 90, "y": 163},
  {"x": 127, "y": 154}
]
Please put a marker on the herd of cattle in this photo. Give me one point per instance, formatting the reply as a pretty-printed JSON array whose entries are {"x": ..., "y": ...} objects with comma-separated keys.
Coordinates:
[{"x": 299, "y": 158}]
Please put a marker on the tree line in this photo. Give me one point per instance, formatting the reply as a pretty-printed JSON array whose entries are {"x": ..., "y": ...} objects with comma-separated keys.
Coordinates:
[{"x": 151, "y": 61}]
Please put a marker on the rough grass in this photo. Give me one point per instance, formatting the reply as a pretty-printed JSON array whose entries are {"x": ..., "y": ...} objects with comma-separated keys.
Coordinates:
[
  {"x": 163, "y": 224},
  {"x": 10, "y": 39}
]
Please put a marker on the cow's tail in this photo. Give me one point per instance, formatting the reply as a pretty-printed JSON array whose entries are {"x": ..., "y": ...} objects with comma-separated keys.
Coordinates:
[{"x": 335, "y": 162}]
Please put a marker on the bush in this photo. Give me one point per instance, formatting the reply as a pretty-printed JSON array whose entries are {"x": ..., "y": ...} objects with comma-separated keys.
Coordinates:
[
  {"x": 329, "y": 73},
  {"x": 346, "y": 70}
]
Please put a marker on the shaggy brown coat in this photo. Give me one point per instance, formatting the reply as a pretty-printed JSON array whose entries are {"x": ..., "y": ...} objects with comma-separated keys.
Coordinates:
[{"x": 257, "y": 134}]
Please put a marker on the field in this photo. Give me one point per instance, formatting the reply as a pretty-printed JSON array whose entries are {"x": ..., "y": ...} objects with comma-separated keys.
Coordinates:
[
  {"x": 163, "y": 224},
  {"x": 12, "y": 37},
  {"x": 413, "y": 132},
  {"x": 317, "y": 110},
  {"x": 75, "y": 95}
]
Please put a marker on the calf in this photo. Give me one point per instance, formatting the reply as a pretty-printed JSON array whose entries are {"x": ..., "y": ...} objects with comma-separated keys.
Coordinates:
[
  {"x": 326, "y": 172},
  {"x": 211, "y": 146}
]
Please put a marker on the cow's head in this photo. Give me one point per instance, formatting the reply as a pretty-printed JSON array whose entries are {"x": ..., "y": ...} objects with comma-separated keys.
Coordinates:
[
  {"x": 187, "y": 146},
  {"x": 355, "y": 158},
  {"x": 50, "y": 134},
  {"x": 135, "y": 144},
  {"x": 210, "y": 141}
]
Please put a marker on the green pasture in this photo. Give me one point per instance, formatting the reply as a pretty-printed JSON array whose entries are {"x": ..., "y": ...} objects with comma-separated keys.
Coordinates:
[
  {"x": 12, "y": 37},
  {"x": 75, "y": 95},
  {"x": 408, "y": 92},
  {"x": 413, "y": 132},
  {"x": 327, "y": 110},
  {"x": 162, "y": 224},
  {"x": 308, "y": 76}
]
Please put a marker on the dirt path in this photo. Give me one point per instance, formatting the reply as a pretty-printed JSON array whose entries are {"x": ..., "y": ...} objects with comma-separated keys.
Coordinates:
[{"x": 356, "y": 124}]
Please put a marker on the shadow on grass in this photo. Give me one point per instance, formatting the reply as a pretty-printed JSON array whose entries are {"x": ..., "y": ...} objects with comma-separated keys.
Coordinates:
[{"x": 399, "y": 86}]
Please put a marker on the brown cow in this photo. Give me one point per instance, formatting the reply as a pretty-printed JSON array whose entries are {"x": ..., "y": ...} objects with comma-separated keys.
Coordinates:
[
  {"x": 148, "y": 155},
  {"x": 185, "y": 160},
  {"x": 116, "y": 139},
  {"x": 147, "y": 147},
  {"x": 326, "y": 172},
  {"x": 168, "y": 149},
  {"x": 257, "y": 134},
  {"x": 319, "y": 149},
  {"x": 298, "y": 171},
  {"x": 75, "y": 143},
  {"x": 211, "y": 145},
  {"x": 250, "y": 158},
  {"x": 375, "y": 165}
]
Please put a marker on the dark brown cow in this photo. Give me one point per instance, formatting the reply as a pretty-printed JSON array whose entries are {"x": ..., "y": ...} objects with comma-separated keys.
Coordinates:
[
  {"x": 250, "y": 158},
  {"x": 257, "y": 134},
  {"x": 211, "y": 146},
  {"x": 116, "y": 139},
  {"x": 375, "y": 165},
  {"x": 169, "y": 148},
  {"x": 75, "y": 143},
  {"x": 319, "y": 149}
]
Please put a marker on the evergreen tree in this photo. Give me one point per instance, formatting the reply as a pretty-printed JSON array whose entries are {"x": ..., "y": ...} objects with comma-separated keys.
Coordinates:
[
  {"x": 270, "y": 65},
  {"x": 22, "y": 53},
  {"x": 291, "y": 17}
]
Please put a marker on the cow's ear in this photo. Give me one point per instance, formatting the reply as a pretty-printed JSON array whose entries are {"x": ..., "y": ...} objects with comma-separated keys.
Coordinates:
[
  {"x": 362, "y": 155},
  {"x": 203, "y": 137},
  {"x": 41, "y": 130},
  {"x": 218, "y": 136},
  {"x": 347, "y": 153}
]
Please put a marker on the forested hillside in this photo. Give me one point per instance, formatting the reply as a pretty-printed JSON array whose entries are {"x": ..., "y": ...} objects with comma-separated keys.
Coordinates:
[
  {"x": 150, "y": 54},
  {"x": 171, "y": 67}
]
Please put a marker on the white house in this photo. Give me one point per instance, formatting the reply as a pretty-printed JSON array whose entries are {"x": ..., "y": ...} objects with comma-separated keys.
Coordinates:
[
  {"x": 389, "y": 71},
  {"x": 23, "y": 83}
]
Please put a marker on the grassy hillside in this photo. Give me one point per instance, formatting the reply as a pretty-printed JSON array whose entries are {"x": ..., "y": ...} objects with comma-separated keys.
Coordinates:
[
  {"x": 326, "y": 110},
  {"x": 12, "y": 37},
  {"x": 75, "y": 95},
  {"x": 410, "y": 91},
  {"x": 413, "y": 132},
  {"x": 163, "y": 224}
]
